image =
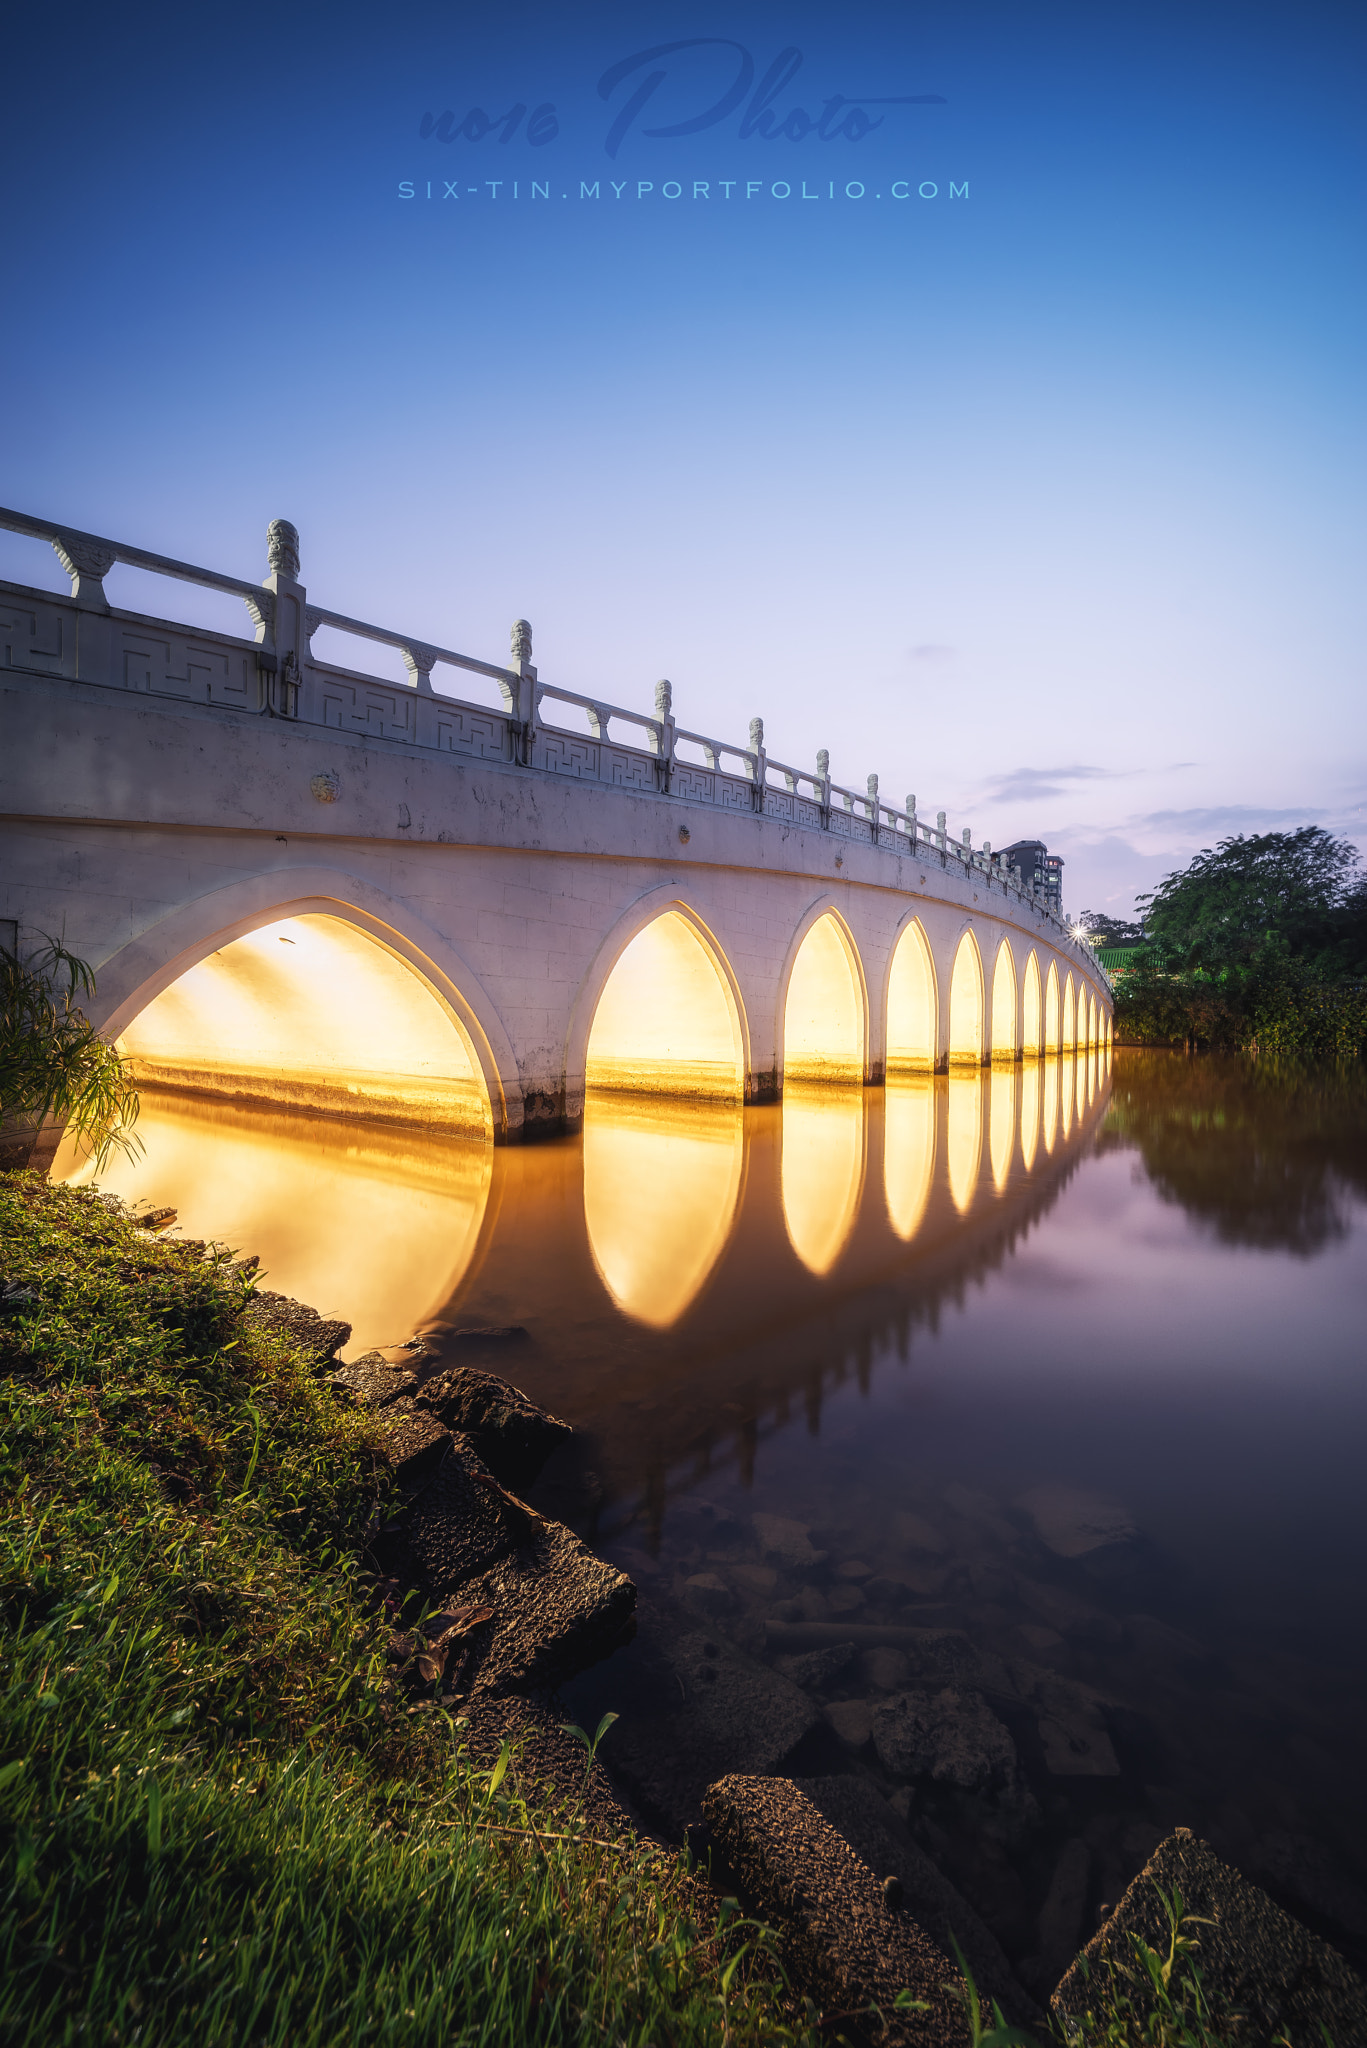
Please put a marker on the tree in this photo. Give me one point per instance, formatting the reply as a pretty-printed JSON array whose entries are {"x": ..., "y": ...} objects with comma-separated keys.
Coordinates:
[
  {"x": 1253, "y": 896},
  {"x": 1110, "y": 931},
  {"x": 53, "y": 1062}
]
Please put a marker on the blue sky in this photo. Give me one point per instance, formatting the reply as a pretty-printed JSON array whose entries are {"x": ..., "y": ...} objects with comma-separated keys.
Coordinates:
[{"x": 1044, "y": 500}]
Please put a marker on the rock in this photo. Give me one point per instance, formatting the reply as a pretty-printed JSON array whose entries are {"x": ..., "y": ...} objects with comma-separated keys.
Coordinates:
[
  {"x": 838, "y": 1938},
  {"x": 1073, "y": 1523},
  {"x": 1071, "y": 1726},
  {"x": 1060, "y": 1919},
  {"x": 467, "y": 1542},
  {"x": 1038, "y": 1638},
  {"x": 813, "y": 1605},
  {"x": 919, "y": 1534},
  {"x": 371, "y": 1382},
  {"x": 510, "y": 1433},
  {"x": 414, "y": 1443},
  {"x": 844, "y": 1600},
  {"x": 321, "y": 1337},
  {"x": 876, "y": 1831},
  {"x": 814, "y": 1669},
  {"x": 691, "y": 1706},
  {"x": 942, "y": 1656},
  {"x": 788, "y": 1542},
  {"x": 756, "y": 1578},
  {"x": 854, "y": 1568},
  {"x": 885, "y": 1669},
  {"x": 951, "y": 1737},
  {"x": 852, "y": 1721},
  {"x": 1253, "y": 1958},
  {"x": 708, "y": 1593}
]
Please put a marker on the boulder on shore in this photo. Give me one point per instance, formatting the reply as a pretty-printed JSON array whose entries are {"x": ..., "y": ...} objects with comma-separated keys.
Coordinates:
[{"x": 509, "y": 1433}]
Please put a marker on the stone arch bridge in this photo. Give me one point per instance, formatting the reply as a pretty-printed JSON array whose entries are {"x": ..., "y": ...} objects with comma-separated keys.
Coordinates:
[{"x": 583, "y": 891}]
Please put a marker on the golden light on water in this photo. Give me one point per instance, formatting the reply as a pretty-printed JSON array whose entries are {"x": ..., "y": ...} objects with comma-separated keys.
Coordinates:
[
  {"x": 1031, "y": 1080},
  {"x": 373, "y": 1223},
  {"x": 908, "y": 1150},
  {"x": 966, "y": 1005},
  {"x": 1067, "y": 1090},
  {"x": 666, "y": 1021},
  {"x": 1001, "y": 1129},
  {"x": 1050, "y": 1117},
  {"x": 822, "y": 1174},
  {"x": 661, "y": 1185},
  {"x": 911, "y": 1005},
  {"x": 312, "y": 1013},
  {"x": 965, "y": 1136},
  {"x": 823, "y": 1016}
]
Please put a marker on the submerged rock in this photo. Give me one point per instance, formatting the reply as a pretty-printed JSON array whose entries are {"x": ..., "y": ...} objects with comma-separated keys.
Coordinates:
[
  {"x": 509, "y": 1433},
  {"x": 1073, "y": 1523},
  {"x": 951, "y": 1737}
]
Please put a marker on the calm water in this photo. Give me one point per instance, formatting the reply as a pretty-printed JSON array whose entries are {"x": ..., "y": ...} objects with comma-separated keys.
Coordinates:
[{"x": 1069, "y": 1359}]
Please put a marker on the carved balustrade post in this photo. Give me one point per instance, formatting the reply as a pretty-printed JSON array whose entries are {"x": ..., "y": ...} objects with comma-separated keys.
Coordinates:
[
  {"x": 283, "y": 625},
  {"x": 759, "y": 770},
  {"x": 823, "y": 780},
  {"x": 524, "y": 709},
  {"x": 87, "y": 563},
  {"x": 873, "y": 807},
  {"x": 911, "y": 823},
  {"x": 664, "y": 741},
  {"x": 941, "y": 837}
]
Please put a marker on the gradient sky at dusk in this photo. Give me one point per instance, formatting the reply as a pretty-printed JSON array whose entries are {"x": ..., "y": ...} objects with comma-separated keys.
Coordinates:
[{"x": 1046, "y": 502}]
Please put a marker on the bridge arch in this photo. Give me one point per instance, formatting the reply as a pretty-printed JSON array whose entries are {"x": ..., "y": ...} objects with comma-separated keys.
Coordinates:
[
  {"x": 1032, "y": 1010},
  {"x": 1053, "y": 1027},
  {"x": 823, "y": 1015},
  {"x": 1069, "y": 1015},
  {"x": 966, "y": 1004},
  {"x": 911, "y": 1004},
  {"x": 132, "y": 977},
  {"x": 662, "y": 932},
  {"x": 1004, "y": 1003}
]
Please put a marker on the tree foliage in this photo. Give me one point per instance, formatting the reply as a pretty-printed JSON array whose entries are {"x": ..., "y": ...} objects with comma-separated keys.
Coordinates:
[
  {"x": 53, "y": 1061},
  {"x": 1255, "y": 894},
  {"x": 1110, "y": 931}
]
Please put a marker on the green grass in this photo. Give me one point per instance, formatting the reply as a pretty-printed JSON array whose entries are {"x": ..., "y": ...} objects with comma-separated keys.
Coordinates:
[{"x": 218, "y": 1823}]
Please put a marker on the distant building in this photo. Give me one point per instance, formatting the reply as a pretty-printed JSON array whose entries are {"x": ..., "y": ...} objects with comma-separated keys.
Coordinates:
[{"x": 1039, "y": 866}]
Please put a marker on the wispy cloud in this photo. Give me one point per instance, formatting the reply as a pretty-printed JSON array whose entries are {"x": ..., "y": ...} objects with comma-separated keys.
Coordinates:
[
  {"x": 1024, "y": 785},
  {"x": 931, "y": 650},
  {"x": 1224, "y": 818}
]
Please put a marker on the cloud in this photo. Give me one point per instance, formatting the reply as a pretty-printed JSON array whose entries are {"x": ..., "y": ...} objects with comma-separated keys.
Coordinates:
[
  {"x": 1224, "y": 818},
  {"x": 930, "y": 650},
  {"x": 1027, "y": 785}
]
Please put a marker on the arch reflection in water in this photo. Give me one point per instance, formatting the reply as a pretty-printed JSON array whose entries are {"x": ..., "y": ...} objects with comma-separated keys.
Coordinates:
[
  {"x": 1067, "y": 1089},
  {"x": 1001, "y": 1123},
  {"x": 965, "y": 1136},
  {"x": 312, "y": 1013},
  {"x": 371, "y": 1222},
  {"x": 822, "y": 1173},
  {"x": 1050, "y": 1111},
  {"x": 662, "y": 1182},
  {"x": 1030, "y": 1107},
  {"x": 908, "y": 1150}
]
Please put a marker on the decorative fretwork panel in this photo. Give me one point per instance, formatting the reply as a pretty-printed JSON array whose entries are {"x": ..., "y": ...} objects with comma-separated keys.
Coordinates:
[
  {"x": 353, "y": 705},
  {"x": 624, "y": 768},
  {"x": 560, "y": 754},
  {"x": 480, "y": 735},
  {"x": 36, "y": 636},
  {"x": 733, "y": 794},
  {"x": 698, "y": 784},
  {"x": 192, "y": 668}
]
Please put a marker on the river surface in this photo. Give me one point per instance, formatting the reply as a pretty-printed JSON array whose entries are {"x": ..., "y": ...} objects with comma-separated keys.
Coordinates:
[{"x": 1063, "y": 1365}]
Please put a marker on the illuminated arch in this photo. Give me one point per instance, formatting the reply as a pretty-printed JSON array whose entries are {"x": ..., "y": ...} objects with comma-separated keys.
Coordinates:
[
  {"x": 311, "y": 1012},
  {"x": 1069, "y": 1032},
  {"x": 824, "y": 1017},
  {"x": 132, "y": 978},
  {"x": 1052, "y": 1031},
  {"x": 666, "y": 1021},
  {"x": 1091, "y": 1019},
  {"x": 911, "y": 1007},
  {"x": 966, "y": 1005},
  {"x": 1004, "y": 1003},
  {"x": 1032, "y": 1010}
]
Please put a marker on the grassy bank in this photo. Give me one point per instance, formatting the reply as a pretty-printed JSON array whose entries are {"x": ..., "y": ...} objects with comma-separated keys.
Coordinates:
[{"x": 218, "y": 1822}]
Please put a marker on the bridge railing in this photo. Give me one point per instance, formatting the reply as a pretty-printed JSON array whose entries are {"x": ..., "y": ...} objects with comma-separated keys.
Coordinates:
[{"x": 276, "y": 674}]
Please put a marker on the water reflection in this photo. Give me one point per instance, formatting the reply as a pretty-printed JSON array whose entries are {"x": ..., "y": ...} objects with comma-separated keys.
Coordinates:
[
  {"x": 965, "y": 1135},
  {"x": 1031, "y": 1082},
  {"x": 823, "y": 1169},
  {"x": 367, "y": 1221},
  {"x": 661, "y": 1184},
  {"x": 1051, "y": 1067},
  {"x": 1002, "y": 1123},
  {"x": 908, "y": 1150}
]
